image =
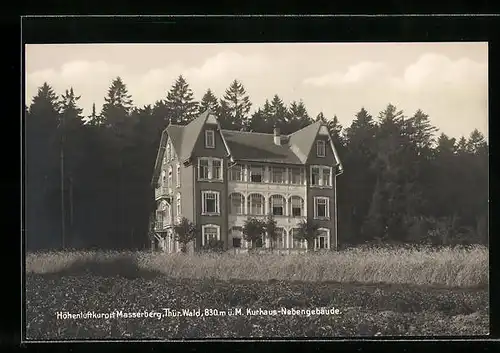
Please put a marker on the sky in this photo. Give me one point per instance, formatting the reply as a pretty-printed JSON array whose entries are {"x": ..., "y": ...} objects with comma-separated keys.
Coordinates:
[{"x": 448, "y": 81}]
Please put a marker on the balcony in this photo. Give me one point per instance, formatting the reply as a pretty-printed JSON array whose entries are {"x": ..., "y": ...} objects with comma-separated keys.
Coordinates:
[
  {"x": 163, "y": 192},
  {"x": 162, "y": 225},
  {"x": 266, "y": 188},
  {"x": 281, "y": 221}
]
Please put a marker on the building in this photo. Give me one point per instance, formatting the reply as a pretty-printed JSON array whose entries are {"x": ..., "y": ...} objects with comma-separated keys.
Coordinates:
[{"x": 218, "y": 178}]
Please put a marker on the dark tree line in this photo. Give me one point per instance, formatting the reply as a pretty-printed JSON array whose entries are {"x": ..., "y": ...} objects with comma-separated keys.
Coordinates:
[{"x": 88, "y": 177}]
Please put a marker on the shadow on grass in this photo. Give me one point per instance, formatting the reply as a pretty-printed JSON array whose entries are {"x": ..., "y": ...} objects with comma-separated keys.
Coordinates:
[{"x": 125, "y": 266}]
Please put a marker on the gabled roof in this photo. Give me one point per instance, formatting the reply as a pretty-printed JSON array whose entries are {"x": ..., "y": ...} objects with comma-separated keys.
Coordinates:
[
  {"x": 191, "y": 131},
  {"x": 175, "y": 133},
  {"x": 241, "y": 145},
  {"x": 183, "y": 146},
  {"x": 259, "y": 147}
]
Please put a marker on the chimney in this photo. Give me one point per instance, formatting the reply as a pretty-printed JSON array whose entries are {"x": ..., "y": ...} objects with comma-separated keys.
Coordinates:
[{"x": 277, "y": 137}]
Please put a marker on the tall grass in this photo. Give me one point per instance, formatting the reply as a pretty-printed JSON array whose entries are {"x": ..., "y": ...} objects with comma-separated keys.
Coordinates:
[{"x": 450, "y": 267}]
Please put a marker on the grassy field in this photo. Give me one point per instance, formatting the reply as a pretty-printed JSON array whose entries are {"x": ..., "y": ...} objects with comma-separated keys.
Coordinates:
[{"x": 377, "y": 292}]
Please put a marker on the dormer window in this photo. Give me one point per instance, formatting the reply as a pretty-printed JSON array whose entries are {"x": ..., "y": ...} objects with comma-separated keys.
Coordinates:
[
  {"x": 209, "y": 138},
  {"x": 320, "y": 148}
]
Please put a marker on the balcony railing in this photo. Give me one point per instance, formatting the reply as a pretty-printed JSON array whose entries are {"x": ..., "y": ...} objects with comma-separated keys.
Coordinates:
[
  {"x": 163, "y": 191},
  {"x": 281, "y": 221},
  {"x": 162, "y": 225}
]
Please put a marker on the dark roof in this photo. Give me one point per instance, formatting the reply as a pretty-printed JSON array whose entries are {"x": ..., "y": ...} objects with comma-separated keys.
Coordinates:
[
  {"x": 183, "y": 146},
  {"x": 175, "y": 132},
  {"x": 259, "y": 147},
  {"x": 243, "y": 146},
  {"x": 191, "y": 131}
]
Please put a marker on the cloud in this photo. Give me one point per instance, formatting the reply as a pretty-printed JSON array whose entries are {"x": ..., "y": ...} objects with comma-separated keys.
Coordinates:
[
  {"x": 89, "y": 77},
  {"x": 86, "y": 77},
  {"x": 75, "y": 72},
  {"x": 83, "y": 70},
  {"x": 360, "y": 73},
  {"x": 223, "y": 66},
  {"x": 438, "y": 69},
  {"x": 430, "y": 69},
  {"x": 227, "y": 64}
]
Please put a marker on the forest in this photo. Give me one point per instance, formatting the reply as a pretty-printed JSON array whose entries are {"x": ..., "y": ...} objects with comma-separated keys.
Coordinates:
[{"x": 88, "y": 178}]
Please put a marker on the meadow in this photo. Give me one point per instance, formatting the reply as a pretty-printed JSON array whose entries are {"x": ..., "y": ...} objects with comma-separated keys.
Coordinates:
[{"x": 377, "y": 291}]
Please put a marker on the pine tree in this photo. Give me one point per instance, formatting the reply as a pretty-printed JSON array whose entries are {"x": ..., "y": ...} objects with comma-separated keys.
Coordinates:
[
  {"x": 279, "y": 114},
  {"x": 298, "y": 117},
  {"x": 462, "y": 146},
  {"x": 258, "y": 122},
  {"x": 374, "y": 226},
  {"x": 117, "y": 102},
  {"x": 355, "y": 190},
  {"x": 421, "y": 133},
  {"x": 209, "y": 101},
  {"x": 397, "y": 175},
  {"x": 476, "y": 143},
  {"x": 71, "y": 135},
  {"x": 335, "y": 130},
  {"x": 43, "y": 173},
  {"x": 445, "y": 145},
  {"x": 95, "y": 119},
  {"x": 235, "y": 107},
  {"x": 445, "y": 178},
  {"x": 117, "y": 144},
  {"x": 68, "y": 105},
  {"x": 361, "y": 131},
  {"x": 180, "y": 103}
]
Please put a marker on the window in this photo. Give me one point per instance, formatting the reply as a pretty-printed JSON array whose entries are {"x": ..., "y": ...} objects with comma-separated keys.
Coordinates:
[
  {"x": 315, "y": 176},
  {"x": 297, "y": 204},
  {"x": 321, "y": 207},
  {"x": 296, "y": 243},
  {"x": 159, "y": 219},
  {"x": 236, "y": 173},
  {"x": 277, "y": 205},
  {"x": 236, "y": 204},
  {"x": 257, "y": 174},
  {"x": 237, "y": 235},
  {"x": 281, "y": 240},
  {"x": 278, "y": 175},
  {"x": 256, "y": 204},
  {"x": 178, "y": 210},
  {"x": 210, "y": 168},
  {"x": 210, "y": 202},
  {"x": 322, "y": 241},
  {"x": 169, "y": 176},
  {"x": 321, "y": 176},
  {"x": 236, "y": 242},
  {"x": 163, "y": 177},
  {"x": 209, "y": 138},
  {"x": 178, "y": 175},
  {"x": 216, "y": 169},
  {"x": 320, "y": 148},
  {"x": 210, "y": 232},
  {"x": 326, "y": 177},
  {"x": 203, "y": 167},
  {"x": 163, "y": 215},
  {"x": 168, "y": 151},
  {"x": 168, "y": 215},
  {"x": 296, "y": 176}
]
